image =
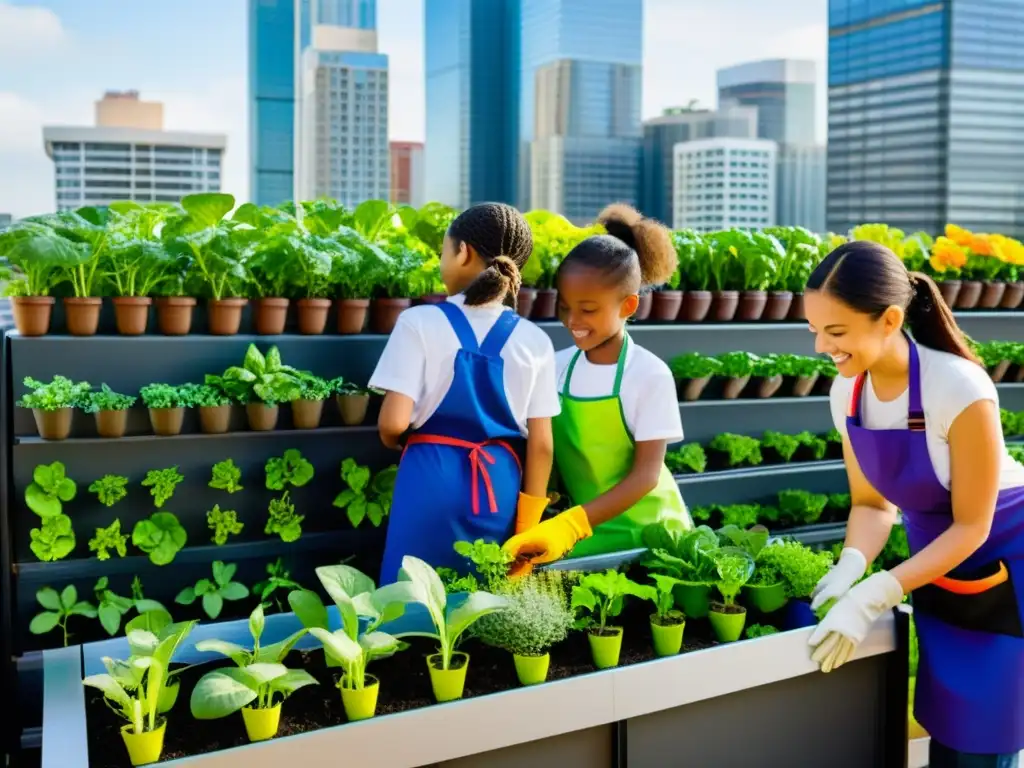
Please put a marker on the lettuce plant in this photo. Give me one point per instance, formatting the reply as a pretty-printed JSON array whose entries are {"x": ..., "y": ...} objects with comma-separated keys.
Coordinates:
[
  {"x": 60, "y": 393},
  {"x": 166, "y": 396},
  {"x": 106, "y": 400},
  {"x": 694, "y": 365},
  {"x": 58, "y": 608},
  {"x": 735, "y": 567},
  {"x": 223, "y": 523},
  {"x": 784, "y": 445},
  {"x": 283, "y": 519},
  {"x": 109, "y": 538},
  {"x": 160, "y": 536},
  {"x": 226, "y": 476},
  {"x": 205, "y": 395},
  {"x": 50, "y": 487},
  {"x": 213, "y": 592},
  {"x": 489, "y": 560},
  {"x": 797, "y": 565},
  {"x": 161, "y": 483},
  {"x": 290, "y": 469},
  {"x": 54, "y": 539},
  {"x": 740, "y": 449},
  {"x": 261, "y": 379},
  {"x": 601, "y": 596},
  {"x": 689, "y": 458},
  {"x": 110, "y": 489},
  {"x": 685, "y": 554}
]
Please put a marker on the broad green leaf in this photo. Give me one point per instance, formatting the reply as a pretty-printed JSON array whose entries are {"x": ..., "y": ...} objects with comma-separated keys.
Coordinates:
[
  {"x": 223, "y": 574},
  {"x": 142, "y": 642},
  {"x": 257, "y": 622},
  {"x": 187, "y": 596},
  {"x": 415, "y": 570},
  {"x": 84, "y": 608},
  {"x": 43, "y": 622},
  {"x": 264, "y": 672},
  {"x": 273, "y": 360},
  {"x": 212, "y": 604},
  {"x": 234, "y": 591},
  {"x": 68, "y": 597},
  {"x": 254, "y": 362},
  {"x": 309, "y": 608},
  {"x": 66, "y": 489},
  {"x": 477, "y": 604},
  {"x": 235, "y": 652},
  {"x": 110, "y": 689},
  {"x": 344, "y": 579},
  {"x": 49, "y": 599},
  {"x": 339, "y": 645},
  {"x": 207, "y": 209},
  {"x": 152, "y": 620},
  {"x": 218, "y": 694},
  {"x": 276, "y": 652},
  {"x": 42, "y": 503},
  {"x": 291, "y": 681},
  {"x": 110, "y": 618},
  {"x": 378, "y": 644}
]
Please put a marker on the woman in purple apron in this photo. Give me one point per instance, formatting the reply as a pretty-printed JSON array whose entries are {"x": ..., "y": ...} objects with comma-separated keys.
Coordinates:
[{"x": 920, "y": 420}]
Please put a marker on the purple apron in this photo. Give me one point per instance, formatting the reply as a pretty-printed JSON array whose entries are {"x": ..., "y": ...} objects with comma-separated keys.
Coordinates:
[{"x": 970, "y": 681}]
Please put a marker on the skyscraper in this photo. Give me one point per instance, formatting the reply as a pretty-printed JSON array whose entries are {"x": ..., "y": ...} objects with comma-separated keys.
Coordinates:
[
  {"x": 472, "y": 99},
  {"x": 926, "y": 114},
  {"x": 407, "y": 173}
]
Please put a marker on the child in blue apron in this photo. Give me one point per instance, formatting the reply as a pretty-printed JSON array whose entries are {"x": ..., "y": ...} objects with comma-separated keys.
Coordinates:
[
  {"x": 619, "y": 406},
  {"x": 476, "y": 386},
  {"x": 920, "y": 422}
]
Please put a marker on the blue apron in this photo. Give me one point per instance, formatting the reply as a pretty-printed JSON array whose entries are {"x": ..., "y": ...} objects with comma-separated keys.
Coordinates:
[{"x": 460, "y": 476}]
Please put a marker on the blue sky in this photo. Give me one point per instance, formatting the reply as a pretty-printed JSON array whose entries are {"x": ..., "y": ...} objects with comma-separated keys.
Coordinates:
[{"x": 58, "y": 56}]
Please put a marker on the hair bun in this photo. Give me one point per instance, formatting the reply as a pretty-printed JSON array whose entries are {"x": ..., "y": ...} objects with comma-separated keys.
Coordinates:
[{"x": 619, "y": 219}]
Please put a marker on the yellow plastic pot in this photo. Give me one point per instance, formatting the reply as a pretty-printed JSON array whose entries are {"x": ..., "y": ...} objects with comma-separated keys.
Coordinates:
[
  {"x": 727, "y": 624},
  {"x": 448, "y": 684},
  {"x": 360, "y": 703},
  {"x": 261, "y": 724},
  {"x": 144, "y": 748},
  {"x": 668, "y": 638},
  {"x": 606, "y": 648},
  {"x": 532, "y": 669}
]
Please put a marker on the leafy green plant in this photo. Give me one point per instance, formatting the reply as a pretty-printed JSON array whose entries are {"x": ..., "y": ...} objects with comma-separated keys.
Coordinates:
[
  {"x": 490, "y": 561},
  {"x": 1012, "y": 423},
  {"x": 314, "y": 388},
  {"x": 784, "y": 445},
  {"x": 213, "y": 592},
  {"x": 662, "y": 596},
  {"x": 40, "y": 255},
  {"x": 798, "y": 507},
  {"x": 160, "y": 536},
  {"x": 290, "y": 469},
  {"x": 106, "y": 400},
  {"x": 736, "y": 365},
  {"x": 162, "y": 483},
  {"x": 223, "y": 523},
  {"x": 817, "y": 446},
  {"x": 260, "y": 378},
  {"x": 166, "y": 396},
  {"x": 50, "y": 487},
  {"x": 601, "y": 596},
  {"x": 834, "y": 436},
  {"x": 827, "y": 368},
  {"x": 110, "y": 489},
  {"x": 797, "y": 565},
  {"x": 694, "y": 365},
  {"x": 110, "y": 606},
  {"x": 109, "y": 538},
  {"x": 365, "y": 498},
  {"x": 283, "y": 519},
  {"x": 760, "y": 630},
  {"x": 739, "y": 515},
  {"x": 686, "y": 554},
  {"x": 204, "y": 395},
  {"x": 226, "y": 476},
  {"x": 799, "y": 366},
  {"x": 535, "y": 618},
  {"x": 840, "y": 502},
  {"x": 58, "y": 608},
  {"x": 690, "y": 458},
  {"x": 278, "y": 580},
  {"x": 766, "y": 367},
  {"x": 60, "y": 393},
  {"x": 735, "y": 568},
  {"x": 54, "y": 539},
  {"x": 740, "y": 450},
  {"x": 454, "y": 582}
]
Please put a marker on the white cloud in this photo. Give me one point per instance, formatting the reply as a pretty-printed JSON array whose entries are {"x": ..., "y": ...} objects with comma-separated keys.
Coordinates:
[
  {"x": 29, "y": 30},
  {"x": 21, "y": 123}
]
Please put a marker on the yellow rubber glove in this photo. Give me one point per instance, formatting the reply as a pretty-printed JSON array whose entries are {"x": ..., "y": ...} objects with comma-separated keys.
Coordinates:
[
  {"x": 529, "y": 511},
  {"x": 547, "y": 541}
]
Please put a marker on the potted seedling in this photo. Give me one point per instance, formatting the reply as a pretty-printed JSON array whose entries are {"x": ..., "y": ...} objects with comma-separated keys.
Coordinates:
[
  {"x": 737, "y": 368},
  {"x": 154, "y": 632},
  {"x": 136, "y": 267},
  {"x": 214, "y": 406},
  {"x": 766, "y": 589},
  {"x": 261, "y": 382},
  {"x": 693, "y": 371},
  {"x": 667, "y": 622},
  {"x": 311, "y": 280},
  {"x": 690, "y": 458},
  {"x": 725, "y": 277},
  {"x": 692, "y": 250},
  {"x": 688, "y": 556},
  {"x": 257, "y": 686},
  {"x": 353, "y": 403},
  {"x": 308, "y": 407},
  {"x": 800, "y": 568},
  {"x": 166, "y": 404},
  {"x": 769, "y": 377},
  {"x": 110, "y": 409},
  {"x": 597, "y": 598},
  {"x": 801, "y": 370},
  {"x": 269, "y": 264},
  {"x": 356, "y": 272},
  {"x": 735, "y": 567},
  {"x": 53, "y": 404},
  {"x": 35, "y": 251},
  {"x": 279, "y": 580}
]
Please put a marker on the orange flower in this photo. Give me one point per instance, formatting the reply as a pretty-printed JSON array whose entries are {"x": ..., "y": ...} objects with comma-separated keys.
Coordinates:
[
  {"x": 947, "y": 254},
  {"x": 982, "y": 245},
  {"x": 959, "y": 235}
]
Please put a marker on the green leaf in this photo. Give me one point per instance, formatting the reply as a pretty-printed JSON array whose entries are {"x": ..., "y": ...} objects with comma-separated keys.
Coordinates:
[
  {"x": 222, "y": 574},
  {"x": 378, "y": 645},
  {"x": 235, "y": 652},
  {"x": 357, "y": 511},
  {"x": 219, "y": 694},
  {"x": 110, "y": 688},
  {"x": 476, "y": 605},
  {"x": 339, "y": 645},
  {"x": 264, "y": 672},
  {"x": 208, "y": 208},
  {"x": 187, "y": 596},
  {"x": 276, "y": 652},
  {"x": 309, "y": 608},
  {"x": 66, "y": 489},
  {"x": 68, "y": 597},
  {"x": 291, "y": 681},
  {"x": 344, "y": 498},
  {"x": 43, "y": 622},
  {"x": 110, "y": 618},
  {"x": 213, "y": 603},
  {"x": 257, "y": 622},
  {"x": 42, "y": 503},
  {"x": 234, "y": 591},
  {"x": 83, "y": 608},
  {"x": 49, "y": 599}
]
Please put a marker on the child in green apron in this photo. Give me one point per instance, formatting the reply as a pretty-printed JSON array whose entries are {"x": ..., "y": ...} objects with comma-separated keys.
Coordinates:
[{"x": 620, "y": 409}]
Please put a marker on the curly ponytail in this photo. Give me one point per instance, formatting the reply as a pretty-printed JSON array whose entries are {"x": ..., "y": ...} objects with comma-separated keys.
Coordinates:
[{"x": 502, "y": 238}]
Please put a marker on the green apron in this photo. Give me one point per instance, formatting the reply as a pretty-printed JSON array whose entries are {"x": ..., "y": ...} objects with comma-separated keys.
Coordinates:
[{"x": 594, "y": 452}]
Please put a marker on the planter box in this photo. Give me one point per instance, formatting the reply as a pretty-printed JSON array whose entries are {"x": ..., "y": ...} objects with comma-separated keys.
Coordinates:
[{"x": 761, "y": 484}]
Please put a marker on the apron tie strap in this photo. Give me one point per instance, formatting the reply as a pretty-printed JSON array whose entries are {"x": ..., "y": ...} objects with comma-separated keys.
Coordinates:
[{"x": 479, "y": 458}]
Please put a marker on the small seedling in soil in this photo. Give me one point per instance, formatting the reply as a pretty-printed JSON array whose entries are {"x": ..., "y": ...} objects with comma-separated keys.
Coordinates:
[
  {"x": 111, "y": 607},
  {"x": 161, "y": 484},
  {"x": 223, "y": 523},
  {"x": 490, "y": 561},
  {"x": 278, "y": 580},
  {"x": 109, "y": 538},
  {"x": 214, "y": 592},
  {"x": 106, "y": 400},
  {"x": 597, "y": 598},
  {"x": 226, "y": 476},
  {"x": 110, "y": 489},
  {"x": 735, "y": 567},
  {"x": 59, "y": 607}
]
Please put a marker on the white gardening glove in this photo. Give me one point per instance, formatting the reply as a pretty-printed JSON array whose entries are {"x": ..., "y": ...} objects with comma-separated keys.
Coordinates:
[
  {"x": 840, "y": 577},
  {"x": 849, "y": 621}
]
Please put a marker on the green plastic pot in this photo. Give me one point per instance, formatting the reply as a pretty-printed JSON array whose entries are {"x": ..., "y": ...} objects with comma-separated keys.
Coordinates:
[
  {"x": 693, "y": 599},
  {"x": 668, "y": 638},
  {"x": 360, "y": 703},
  {"x": 532, "y": 669},
  {"x": 728, "y": 626},
  {"x": 448, "y": 684},
  {"x": 766, "y": 598},
  {"x": 606, "y": 648}
]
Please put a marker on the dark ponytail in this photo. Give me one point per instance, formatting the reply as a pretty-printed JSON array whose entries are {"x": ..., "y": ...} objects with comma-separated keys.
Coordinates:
[
  {"x": 502, "y": 238},
  {"x": 869, "y": 278}
]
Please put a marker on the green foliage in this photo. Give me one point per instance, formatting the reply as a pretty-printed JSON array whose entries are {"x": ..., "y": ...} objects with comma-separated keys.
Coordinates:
[
  {"x": 314, "y": 388},
  {"x": 166, "y": 396},
  {"x": 291, "y": 469},
  {"x": 535, "y": 618},
  {"x": 60, "y": 393},
  {"x": 736, "y": 365},
  {"x": 760, "y": 630},
  {"x": 365, "y": 498},
  {"x": 797, "y": 365},
  {"x": 110, "y": 606},
  {"x": 784, "y": 445},
  {"x": 110, "y": 489},
  {"x": 161, "y": 483},
  {"x": 735, "y": 567},
  {"x": 740, "y": 515},
  {"x": 797, "y": 565},
  {"x": 278, "y": 580},
  {"x": 57, "y": 609},
  {"x": 223, "y": 523},
  {"x": 816, "y": 446},
  {"x": 50, "y": 487},
  {"x": 54, "y": 539},
  {"x": 686, "y": 554},
  {"x": 664, "y": 599},
  {"x": 226, "y": 476},
  {"x": 106, "y": 400},
  {"x": 283, "y": 520},
  {"x": 689, "y": 458},
  {"x": 204, "y": 395},
  {"x": 213, "y": 592},
  {"x": 260, "y": 378},
  {"x": 694, "y": 365},
  {"x": 601, "y": 596},
  {"x": 490, "y": 561},
  {"x": 109, "y": 538},
  {"x": 740, "y": 450},
  {"x": 160, "y": 536},
  {"x": 801, "y": 507}
]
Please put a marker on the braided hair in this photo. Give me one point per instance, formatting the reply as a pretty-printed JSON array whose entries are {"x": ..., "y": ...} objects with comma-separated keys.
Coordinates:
[
  {"x": 502, "y": 238},
  {"x": 636, "y": 253}
]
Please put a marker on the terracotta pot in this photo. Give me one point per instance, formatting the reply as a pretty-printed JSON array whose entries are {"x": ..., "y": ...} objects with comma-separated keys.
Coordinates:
[
  {"x": 692, "y": 389},
  {"x": 823, "y": 386},
  {"x": 166, "y": 421},
  {"x": 1019, "y": 377},
  {"x": 768, "y": 387},
  {"x": 796, "y": 309},
  {"x": 804, "y": 385},
  {"x": 262, "y": 417},
  {"x": 643, "y": 309},
  {"x": 174, "y": 315},
  {"x": 82, "y": 315},
  {"x": 992, "y": 293},
  {"x": 777, "y": 307},
  {"x": 432, "y": 298},
  {"x": 131, "y": 314},
  {"x": 695, "y": 308},
  {"x": 312, "y": 315},
  {"x": 751, "y": 306},
  {"x": 525, "y": 301},
  {"x": 353, "y": 409},
  {"x": 215, "y": 419},
  {"x": 950, "y": 290},
  {"x": 306, "y": 414},
  {"x": 32, "y": 314},
  {"x": 269, "y": 316},
  {"x": 352, "y": 315},
  {"x": 111, "y": 423},
  {"x": 724, "y": 305},
  {"x": 970, "y": 293},
  {"x": 224, "y": 316},
  {"x": 53, "y": 425},
  {"x": 1013, "y": 296},
  {"x": 998, "y": 371},
  {"x": 666, "y": 306},
  {"x": 545, "y": 306},
  {"x": 384, "y": 313},
  {"x": 734, "y": 387}
]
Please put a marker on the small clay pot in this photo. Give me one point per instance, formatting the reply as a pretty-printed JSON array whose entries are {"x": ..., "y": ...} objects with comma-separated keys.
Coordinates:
[
  {"x": 384, "y": 314},
  {"x": 796, "y": 309},
  {"x": 804, "y": 385},
  {"x": 224, "y": 316},
  {"x": 724, "y": 305},
  {"x": 353, "y": 409},
  {"x": 695, "y": 307},
  {"x": 545, "y": 305},
  {"x": 970, "y": 294},
  {"x": 991, "y": 294},
  {"x": 751, "y": 306},
  {"x": 111, "y": 423},
  {"x": 999, "y": 370},
  {"x": 666, "y": 306},
  {"x": 777, "y": 307},
  {"x": 262, "y": 417},
  {"x": 82, "y": 315},
  {"x": 352, "y": 315},
  {"x": 269, "y": 316},
  {"x": 174, "y": 315},
  {"x": 643, "y": 308},
  {"x": 1013, "y": 296},
  {"x": 525, "y": 301},
  {"x": 306, "y": 414},
  {"x": 692, "y": 389},
  {"x": 214, "y": 419},
  {"x": 1019, "y": 376},
  {"x": 734, "y": 387},
  {"x": 131, "y": 314},
  {"x": 166, "y": 422},
  {"x": 312, "y": 315},
  {"x": 32, "y": 314},
  {"x": 823, "y": 386},
  {"x": 53, "y": 425},
  {"x": 949, "y": 289},
  {"x": 768, "y": 387}
]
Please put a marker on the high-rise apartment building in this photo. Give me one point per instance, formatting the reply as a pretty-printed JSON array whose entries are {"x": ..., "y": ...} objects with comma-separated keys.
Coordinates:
[
  {"x": 128, "y": 156},
  {"x": 723, "y": 183},
  {"x": 472, "y": 100},
  {"x": 407, "y": 173},
  {"x": 926, "y": 114},
  {"x": 676, "y": 125}
]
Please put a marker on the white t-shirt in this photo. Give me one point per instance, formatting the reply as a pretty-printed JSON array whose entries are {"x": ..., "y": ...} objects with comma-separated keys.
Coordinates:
[
  {"x": 419, "y": 361},
  {"x": 650, "y": 402},
  {"x": 949, "y": 384}
]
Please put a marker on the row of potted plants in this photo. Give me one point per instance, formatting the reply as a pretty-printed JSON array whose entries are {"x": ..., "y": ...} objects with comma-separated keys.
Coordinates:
[{"x": 792, "y": 508}]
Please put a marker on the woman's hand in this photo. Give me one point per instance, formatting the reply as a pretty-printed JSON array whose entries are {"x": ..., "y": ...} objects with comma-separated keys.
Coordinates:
[
  {"x": 843, "y": 575},
  {"x": 547, "y": 541}
]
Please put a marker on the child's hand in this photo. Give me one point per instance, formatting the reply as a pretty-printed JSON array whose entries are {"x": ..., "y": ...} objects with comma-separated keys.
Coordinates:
[
  {"x": 529, "y": 511},
  {"x": 548, "y": 541}
]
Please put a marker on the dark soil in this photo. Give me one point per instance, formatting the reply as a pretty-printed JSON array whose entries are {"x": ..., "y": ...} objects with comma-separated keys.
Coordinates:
[
  {"x": 404, "y": 685},
  {"x": 723, "y": 608}
]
